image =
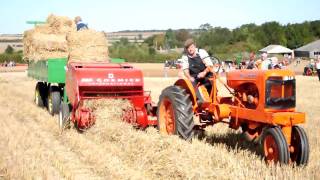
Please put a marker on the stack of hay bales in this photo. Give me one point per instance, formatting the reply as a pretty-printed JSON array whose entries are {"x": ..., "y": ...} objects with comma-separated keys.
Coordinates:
[
  {"x": 88, "y": 46},
  {"x": 48, "y": 40},
  {"x": 58, "y": 38}
]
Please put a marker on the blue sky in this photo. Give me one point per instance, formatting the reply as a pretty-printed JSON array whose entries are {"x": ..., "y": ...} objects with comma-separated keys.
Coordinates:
[{"x": 157, "y": 14}]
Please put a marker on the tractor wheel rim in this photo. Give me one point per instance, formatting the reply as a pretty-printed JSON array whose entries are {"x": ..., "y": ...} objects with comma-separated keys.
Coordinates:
[
  {"x": 167, "y": 121},
  {"x": 271, "y": 150}
]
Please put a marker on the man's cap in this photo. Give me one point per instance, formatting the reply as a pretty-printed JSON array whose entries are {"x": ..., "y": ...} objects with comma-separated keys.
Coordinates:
[{"x": 188, "y": 43}]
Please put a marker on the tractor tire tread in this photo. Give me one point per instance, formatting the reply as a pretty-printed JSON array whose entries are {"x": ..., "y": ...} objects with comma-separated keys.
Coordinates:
[{"x": 183, "y": 110}]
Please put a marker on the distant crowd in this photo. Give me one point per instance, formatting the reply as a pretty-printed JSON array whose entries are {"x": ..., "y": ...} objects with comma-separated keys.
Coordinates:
[
  {"x": 263, "y": 63},
  {"x": 8, "y": 64}
]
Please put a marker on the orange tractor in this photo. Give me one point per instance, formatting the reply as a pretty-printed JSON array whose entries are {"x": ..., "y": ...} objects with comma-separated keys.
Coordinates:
[{"x": 261, "y": 102}]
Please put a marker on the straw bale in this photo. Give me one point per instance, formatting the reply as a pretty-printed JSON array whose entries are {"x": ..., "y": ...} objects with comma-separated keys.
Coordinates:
[
  {"x": 88, "y": 46},
  {"x": 48, "y": 40}
]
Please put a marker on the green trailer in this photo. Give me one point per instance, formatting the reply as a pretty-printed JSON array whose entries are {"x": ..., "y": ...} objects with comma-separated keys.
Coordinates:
[{"x": 51, "y": 76}]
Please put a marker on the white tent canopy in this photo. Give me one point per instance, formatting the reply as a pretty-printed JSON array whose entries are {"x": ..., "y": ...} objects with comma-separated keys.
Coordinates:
[{"x": 276, "y": 49}]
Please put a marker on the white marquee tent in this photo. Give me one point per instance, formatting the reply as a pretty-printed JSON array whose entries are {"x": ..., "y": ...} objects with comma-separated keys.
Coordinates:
[{"x": 276, "y": 49}]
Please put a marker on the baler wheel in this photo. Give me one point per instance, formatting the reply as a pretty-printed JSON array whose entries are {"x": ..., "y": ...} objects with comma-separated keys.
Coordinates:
[
  {"x": 175, "y": 114},
  {"x": 54, "y": 100},
  {"x": 64, "y": 115},
  {"x": 300, "y": 146},
  {"x": 275, "y": 147},
  {"x": 39, "y": 94}
]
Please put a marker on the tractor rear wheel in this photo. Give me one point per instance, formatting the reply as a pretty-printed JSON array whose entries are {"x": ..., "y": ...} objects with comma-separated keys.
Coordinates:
[
  {"x": 64, "y": 115},
  {"x": 39, "y": 94},
  {"x": 300, "y": 145},
  {"x": 274, "y": 146},
  {"x": 54, "y": 100},
  {"x": 175, "y": 113}
]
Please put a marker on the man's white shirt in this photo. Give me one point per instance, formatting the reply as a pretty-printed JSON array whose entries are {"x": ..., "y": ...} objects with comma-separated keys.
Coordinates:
[{"x": 203, "y": 55}]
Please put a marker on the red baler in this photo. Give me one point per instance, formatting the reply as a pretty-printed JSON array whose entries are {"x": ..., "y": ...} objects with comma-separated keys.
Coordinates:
[{"x": 103, "y": 80}]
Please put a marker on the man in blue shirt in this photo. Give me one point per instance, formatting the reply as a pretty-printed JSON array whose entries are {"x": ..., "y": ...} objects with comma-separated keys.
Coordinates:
[{"x": 80, "y": 24}]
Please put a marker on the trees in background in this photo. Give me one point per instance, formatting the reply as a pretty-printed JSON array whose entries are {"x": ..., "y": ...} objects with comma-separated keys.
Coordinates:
[
  {"x": 9, "y": 50},
  {"x": 11, "y": 55},
  {"x": 220, "y": 41}
]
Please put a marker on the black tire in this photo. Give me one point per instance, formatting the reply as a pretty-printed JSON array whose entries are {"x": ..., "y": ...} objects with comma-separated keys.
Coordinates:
[
  {"x": 39, "y": 97},
  {"x": 54, "y": 100},
  {"x": 279, "y": 144},
  {"x": 181, "y": 104},
  {"x": 64, "y": 115},
  {"x": 299, "y": 141}
]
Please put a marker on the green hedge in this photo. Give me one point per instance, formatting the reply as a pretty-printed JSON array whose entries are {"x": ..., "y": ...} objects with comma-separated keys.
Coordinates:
[
  {"x": 16, "y": 57},
  {"x": 140, "y": 53}
]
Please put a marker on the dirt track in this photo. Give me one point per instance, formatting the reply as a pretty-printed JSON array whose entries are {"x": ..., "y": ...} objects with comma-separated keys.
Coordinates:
[{"x": 31, "y": 145}]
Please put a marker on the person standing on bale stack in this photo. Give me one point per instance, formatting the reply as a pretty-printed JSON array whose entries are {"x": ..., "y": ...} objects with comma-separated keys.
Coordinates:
[{"x": 80, "y": 25}]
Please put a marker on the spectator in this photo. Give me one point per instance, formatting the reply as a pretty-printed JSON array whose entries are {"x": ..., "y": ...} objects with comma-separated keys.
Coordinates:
[
  {"x": 251, "y": 63},
  {"x": 166, "y": 69},
  {"x": 318, "y": 66},
  {"x": 265, "y": 62}
]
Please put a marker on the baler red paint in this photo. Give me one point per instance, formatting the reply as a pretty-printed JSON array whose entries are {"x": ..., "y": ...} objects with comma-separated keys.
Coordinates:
[{"x": 103, "y": 80}]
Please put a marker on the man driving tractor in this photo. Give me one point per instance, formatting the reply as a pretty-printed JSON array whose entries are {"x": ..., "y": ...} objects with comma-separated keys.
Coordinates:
[{"x": 197, "y": 66}]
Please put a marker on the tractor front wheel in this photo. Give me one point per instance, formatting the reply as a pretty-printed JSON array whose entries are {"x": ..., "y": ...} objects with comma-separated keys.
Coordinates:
[
  {"x": 274, "y": 146},
  {"x": 299, "y": 149},
  {"x": 175, "y": 113}
]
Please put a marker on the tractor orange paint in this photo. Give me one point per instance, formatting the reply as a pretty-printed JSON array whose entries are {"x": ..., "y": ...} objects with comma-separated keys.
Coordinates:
[{"x": 261, "y": 103}]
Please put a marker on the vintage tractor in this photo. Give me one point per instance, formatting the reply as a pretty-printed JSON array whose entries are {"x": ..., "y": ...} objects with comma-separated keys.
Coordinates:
[
  {"x": 85, "y": 81},
  {"x": 261, "y": 102}
]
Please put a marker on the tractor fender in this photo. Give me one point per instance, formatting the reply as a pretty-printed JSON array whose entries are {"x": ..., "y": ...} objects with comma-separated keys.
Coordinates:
[{"x": 187, "y": 85}]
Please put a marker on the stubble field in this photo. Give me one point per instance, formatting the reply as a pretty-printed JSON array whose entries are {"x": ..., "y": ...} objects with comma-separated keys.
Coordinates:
[{"x": 32, "y": 146}]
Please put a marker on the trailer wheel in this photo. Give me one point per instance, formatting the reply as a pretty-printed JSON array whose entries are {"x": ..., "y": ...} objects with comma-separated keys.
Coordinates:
[
  {"x": 39, "y": 95},
  {"x": 54, "y": 100},
  {"x": 64, "y": 115},
  {"x": 175, "y": 114},
  {"x": 275, "y": 147},
  {"x": 300, "y": 145}
]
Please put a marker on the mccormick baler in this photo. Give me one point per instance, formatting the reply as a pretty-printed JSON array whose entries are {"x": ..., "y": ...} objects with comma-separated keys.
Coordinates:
[{"x": 85, "y": 81}]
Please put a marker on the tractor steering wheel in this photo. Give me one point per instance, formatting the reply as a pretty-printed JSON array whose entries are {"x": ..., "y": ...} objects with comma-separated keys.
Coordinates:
[{"x": 216, "y": 63}]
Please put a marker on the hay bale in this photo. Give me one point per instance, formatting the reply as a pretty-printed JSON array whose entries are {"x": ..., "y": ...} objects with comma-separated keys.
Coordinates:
[
  {"x": 88, "y": 46},
  {"x": 60, "y": 24},
  {"x": 48, "y": 40}
]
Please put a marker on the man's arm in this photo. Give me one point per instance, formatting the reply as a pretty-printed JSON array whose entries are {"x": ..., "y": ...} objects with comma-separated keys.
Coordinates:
[
  {"x": 187, "y": 74},
  {"x": 185, "y": 67},
  {"x": 207, "y": 61}
]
